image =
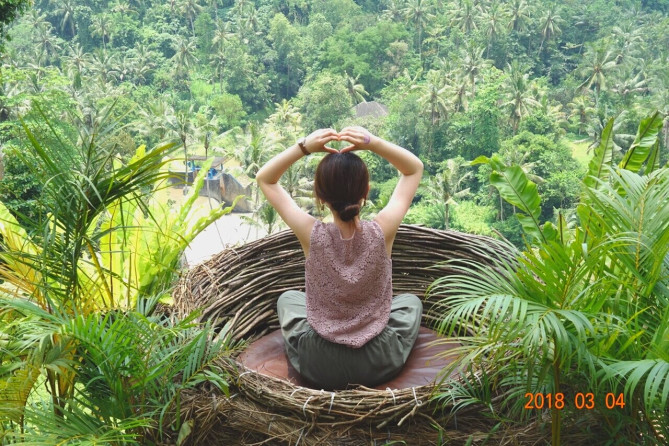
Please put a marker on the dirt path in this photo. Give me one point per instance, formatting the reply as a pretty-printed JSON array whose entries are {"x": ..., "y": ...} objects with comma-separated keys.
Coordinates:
[{"x": 229, "y": 230}]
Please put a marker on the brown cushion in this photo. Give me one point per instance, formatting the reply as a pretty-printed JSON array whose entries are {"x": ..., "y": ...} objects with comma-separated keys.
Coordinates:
[{"x": 268, "y": 357}]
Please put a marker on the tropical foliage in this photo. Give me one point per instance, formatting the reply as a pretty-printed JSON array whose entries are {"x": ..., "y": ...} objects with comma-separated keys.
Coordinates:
[
  {"x": 80, "y": 286},
  {"x": 582, "y": 310}
]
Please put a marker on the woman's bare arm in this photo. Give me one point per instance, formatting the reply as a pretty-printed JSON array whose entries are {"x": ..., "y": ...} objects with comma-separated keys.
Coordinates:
[
  {"x": 268, "y": 181},
  {"x": 411, "y": 170}
]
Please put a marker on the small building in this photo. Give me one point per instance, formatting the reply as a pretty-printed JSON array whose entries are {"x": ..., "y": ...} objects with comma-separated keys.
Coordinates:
[
  {"x": 372, "y": 108},
  {"x": 218, "y": 185}
]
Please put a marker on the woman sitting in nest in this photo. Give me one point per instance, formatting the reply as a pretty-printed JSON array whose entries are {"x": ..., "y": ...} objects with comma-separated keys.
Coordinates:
[{"x": 348, "y": 328}]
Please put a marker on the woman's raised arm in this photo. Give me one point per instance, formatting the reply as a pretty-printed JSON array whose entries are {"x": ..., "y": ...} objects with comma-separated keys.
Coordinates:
[
  {"x": 268, "y": 181},
  {"x": 410, "y": 167}
]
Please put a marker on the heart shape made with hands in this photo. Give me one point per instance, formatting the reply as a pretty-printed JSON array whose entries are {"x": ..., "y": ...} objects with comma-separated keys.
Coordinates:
[{"x": 356, "y": 136}]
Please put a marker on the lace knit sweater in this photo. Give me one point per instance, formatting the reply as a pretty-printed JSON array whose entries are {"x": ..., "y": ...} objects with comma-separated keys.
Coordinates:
[{"x": 348, "y": 283}]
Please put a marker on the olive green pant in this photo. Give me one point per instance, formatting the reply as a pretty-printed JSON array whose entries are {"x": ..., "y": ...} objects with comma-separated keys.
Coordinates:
[{"x": 335, "y": 366}]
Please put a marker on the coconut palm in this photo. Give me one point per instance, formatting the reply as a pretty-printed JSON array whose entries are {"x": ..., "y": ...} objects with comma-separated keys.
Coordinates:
[
  {"x": 65, "y": 9},
  {"x": 519, "y": 15},
  {"x": 581, "y": 111},
  {"x": 103, "y": 65},
  {"x": 46, "y": 43},
  {"x": 123, "y": 9},
  {"x": 184, "y": 55},
  {"x": 629, "y": 86},
  {"x": 156, "y": 119},
  {"x": 445, "y": 188},
  {"x": 190, "y": 9},
  {"x": 101, "y": 27},
  {"x": 219, "y": 60},
  {"x": 434, "y": 93},
  {"x": 493, "y": 24},
  {"x": 286, "y": 119},
  {"x": 464, "y": 16},
  {"x": 628, "y": 40},
  {"x": 550, "y": 26},
  {"x": 601, "y": 64},
  {"x": 355, "y": 90},
  {"x": 419, "y": 13},
  {"x": 472, "y": 64},
  {"x": 221, "y": 35},
  {"x": 519, "y": 96},
  {"x": 394, "y": 11}
]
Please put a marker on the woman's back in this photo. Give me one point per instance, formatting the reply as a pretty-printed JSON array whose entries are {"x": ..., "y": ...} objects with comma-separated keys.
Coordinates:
[{"x": 348, "y": 283}]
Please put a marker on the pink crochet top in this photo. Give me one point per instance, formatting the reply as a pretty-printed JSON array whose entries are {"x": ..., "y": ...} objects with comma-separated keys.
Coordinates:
[{"x": 348, "y": 283}]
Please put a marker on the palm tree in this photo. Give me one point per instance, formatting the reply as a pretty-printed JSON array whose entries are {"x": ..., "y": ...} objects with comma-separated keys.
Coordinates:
[
  {"x": 519, "y": 15},
  {"x": 541, "y": 318},
  {"x": 190, "y": 9},
  {"x": 628, "y": 40},
  {"x": 156, "y": 119},
  {"x": 183, "y": 128},
  {"x": 628, "y": 86},
  {"x": 550, "y": 26},
  {"x": 472, "y": 64},
  {"x": 493, "y": 24},
  {"x": 436, "y": 37},
  {"x": 393, "y": 11},
  {"x": 355, "y": 90},
  {"x": 219, "y": 60},
  {"x": 64, "y": 309},
  {"x": 65, "y": 9},
  {"x": 46, "y": 42},
  {"x": 101, "y": 26},
  {"x": 464, "y": 16},
  {"x": 144, "y": 63},
  {"x": 581, "y": 111},
  {"x": 103, "y": 65},
  {"x": 184, "y": 55},
  {"x": 433, "y": 95},
  {"x": 36, "y": 19},
  {"x": 418, "y": 13},
  {"x": 221, "y": 35},
  {"x": 286, "y": 118},
  {"x": 77, "y": 58},
  {"x": 619, "y": 140},
  {"x": 255, "y": 151},
  {"x": 602, "y": 63},
  {"x": 445, "y": 188},
  {"x": 520, "y": 99},
  {"x": 123, "y": 9}
]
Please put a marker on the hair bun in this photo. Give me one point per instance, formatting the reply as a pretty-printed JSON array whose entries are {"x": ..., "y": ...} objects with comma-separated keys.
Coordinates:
[{"x": 349, "y": 212}]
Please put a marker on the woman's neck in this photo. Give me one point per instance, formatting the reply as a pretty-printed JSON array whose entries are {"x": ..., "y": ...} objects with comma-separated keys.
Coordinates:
[{"x": 346, "y": 228}]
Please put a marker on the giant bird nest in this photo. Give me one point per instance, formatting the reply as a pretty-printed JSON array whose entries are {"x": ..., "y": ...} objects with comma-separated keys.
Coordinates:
[{"x": 239, "y": 288}]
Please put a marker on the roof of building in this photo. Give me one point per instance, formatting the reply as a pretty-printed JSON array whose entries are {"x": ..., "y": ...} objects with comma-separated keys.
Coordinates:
[{"x": 372, "y": 108}]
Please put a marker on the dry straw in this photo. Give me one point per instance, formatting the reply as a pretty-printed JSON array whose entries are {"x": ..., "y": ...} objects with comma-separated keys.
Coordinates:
[{"x": 240, "y": 286}]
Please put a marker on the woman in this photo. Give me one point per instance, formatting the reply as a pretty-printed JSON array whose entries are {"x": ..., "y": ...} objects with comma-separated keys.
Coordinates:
[{"x": 347, "y": 328}]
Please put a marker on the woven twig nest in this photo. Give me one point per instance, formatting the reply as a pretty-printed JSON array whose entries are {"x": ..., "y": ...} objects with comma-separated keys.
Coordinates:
[{"x": 240, "y": 287}]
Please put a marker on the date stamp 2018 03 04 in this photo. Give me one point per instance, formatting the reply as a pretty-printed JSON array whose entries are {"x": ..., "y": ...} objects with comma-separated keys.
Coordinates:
[{"x": 580, "y": 400}]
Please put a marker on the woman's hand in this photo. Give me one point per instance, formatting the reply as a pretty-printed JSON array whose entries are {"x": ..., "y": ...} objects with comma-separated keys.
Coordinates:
[
  {"x": 317, "y": 140},
  {"x": 359, "y": 137}
]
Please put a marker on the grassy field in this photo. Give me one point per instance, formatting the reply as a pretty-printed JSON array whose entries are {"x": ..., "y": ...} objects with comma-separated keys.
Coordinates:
[{"x": 579, "y": 148}]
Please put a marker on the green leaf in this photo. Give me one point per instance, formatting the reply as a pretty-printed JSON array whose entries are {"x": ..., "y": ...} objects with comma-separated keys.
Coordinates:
[
  {"x": 597, "y": 169},
  {"x": 644, "y": 143},
  {"x": 514, "y": 186},
  {"x": 184, "y": 432},
  {"x": 653, "y": 159}
]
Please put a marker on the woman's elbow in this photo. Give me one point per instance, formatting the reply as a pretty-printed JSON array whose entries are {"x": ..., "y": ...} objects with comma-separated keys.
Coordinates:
[{"x": 419, "y": 167}]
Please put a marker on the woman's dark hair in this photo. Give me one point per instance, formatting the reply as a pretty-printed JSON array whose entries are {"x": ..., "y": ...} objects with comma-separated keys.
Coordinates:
[{"x": 342, "y": 180}]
